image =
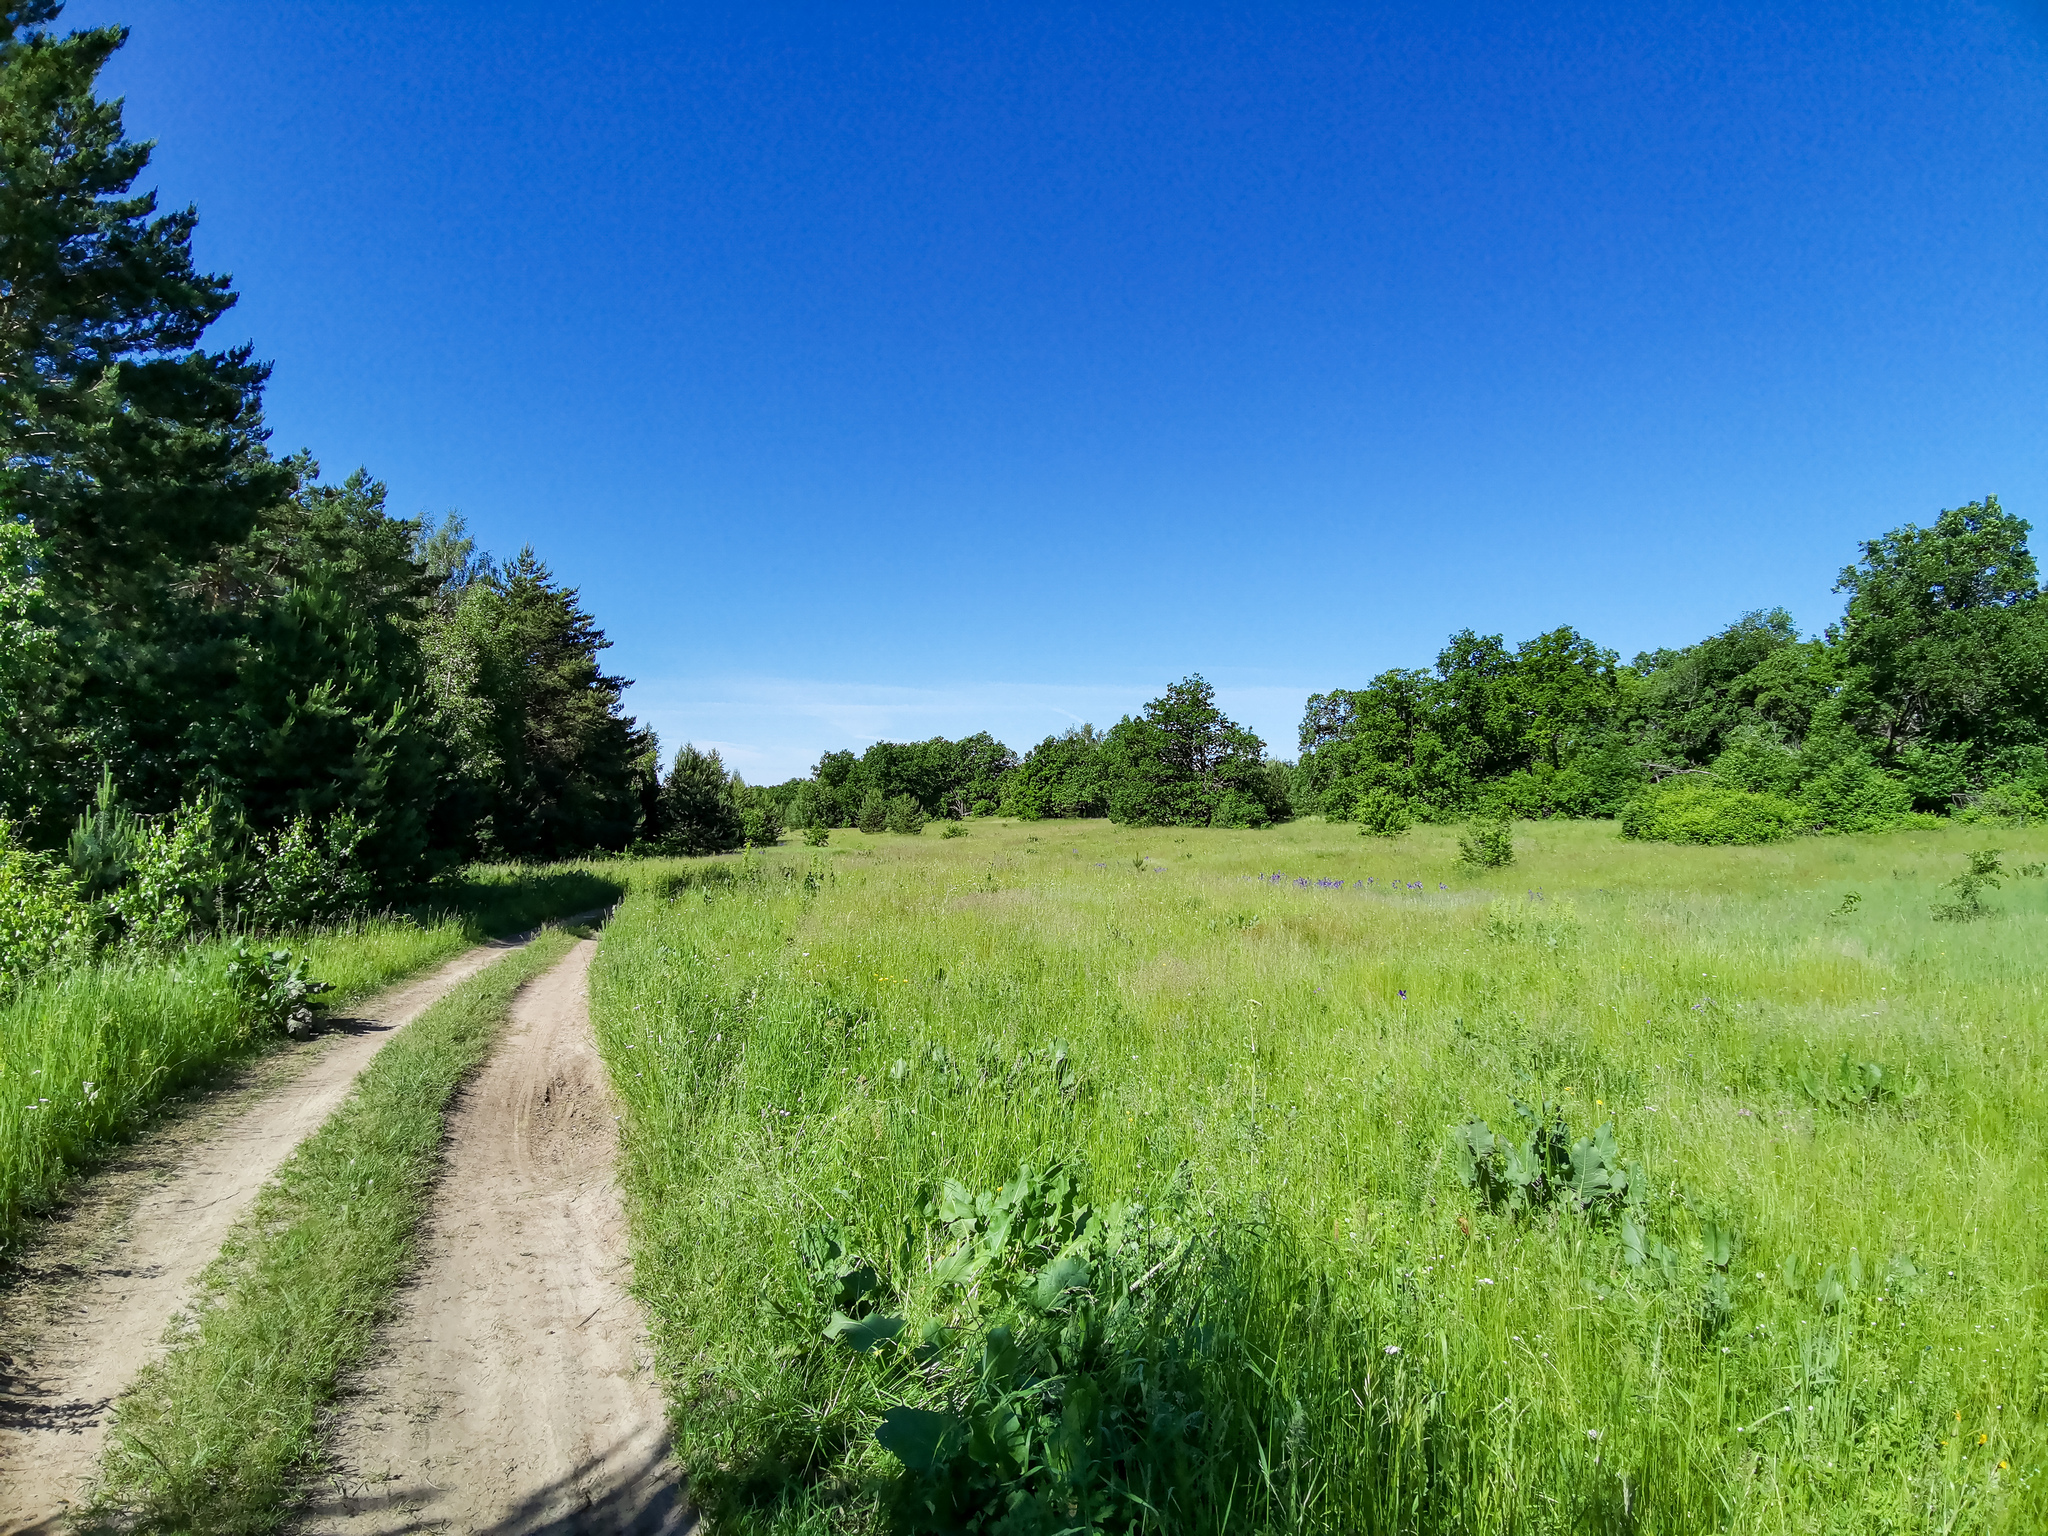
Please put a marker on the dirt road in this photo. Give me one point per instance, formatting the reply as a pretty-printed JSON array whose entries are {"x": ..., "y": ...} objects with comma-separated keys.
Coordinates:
[
  {"x": 515, "y": 1395},
  {"x": 103, "y": 1285}
]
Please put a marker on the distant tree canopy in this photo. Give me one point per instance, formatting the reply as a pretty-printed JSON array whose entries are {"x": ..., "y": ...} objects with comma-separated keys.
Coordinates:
[
  {"x": 185, "y": 617},
  {"x": 1930, "y": 693}
]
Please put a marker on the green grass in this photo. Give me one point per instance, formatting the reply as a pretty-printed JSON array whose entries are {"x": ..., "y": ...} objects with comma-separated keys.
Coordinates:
[
  {"x": 218, "y": 1435},
  {"x": 1274, "y": 1069},
  {"x": 89, "y": 1056}
]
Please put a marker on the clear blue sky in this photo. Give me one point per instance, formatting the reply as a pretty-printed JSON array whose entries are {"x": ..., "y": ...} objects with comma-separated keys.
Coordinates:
[{"x": 891, "y": 370}]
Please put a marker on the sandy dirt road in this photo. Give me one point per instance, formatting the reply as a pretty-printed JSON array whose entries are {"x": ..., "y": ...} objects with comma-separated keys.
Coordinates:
[
  {"x": 515, "y": 1394},
  {"x": 104, "y": 1282}
]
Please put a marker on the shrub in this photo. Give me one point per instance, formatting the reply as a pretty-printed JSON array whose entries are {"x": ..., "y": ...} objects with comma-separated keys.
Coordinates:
[
  {"x": 904, "y": 815},
  {"x": 2014, "y": 803},
  {"x": 817, "y": 837},
  {"x": 305, "y": 874},
  {"x": 1983, "y": 872},
  {"x": 873, "y": 816},
  {"x": 1383, "y": 813},
  {"x": 1486, "y": 844},
  {"x": 954, "y": 829},
  {"x": 43, "y": 923},
  {"x": 1855, "y": 796},
  {"x": 760, "y": 821},
  {"x": 1694, "y": 808}
]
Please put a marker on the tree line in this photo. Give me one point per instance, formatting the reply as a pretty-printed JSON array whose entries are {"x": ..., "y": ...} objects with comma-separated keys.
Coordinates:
[
  {"x": 208, "y": 645},
  {"x": 1928, "y": 697}
]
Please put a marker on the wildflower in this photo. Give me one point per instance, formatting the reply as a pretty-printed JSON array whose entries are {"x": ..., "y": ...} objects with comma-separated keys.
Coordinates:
[
  {"x": 1393, "y": 1349},
  {"x": 1404, "y": 991}
]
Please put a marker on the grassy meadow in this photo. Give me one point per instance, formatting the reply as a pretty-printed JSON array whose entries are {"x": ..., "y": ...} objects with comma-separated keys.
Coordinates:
[
  {"x": 1239, "y": 1281},
  {"x": 88, "y": 1056}
]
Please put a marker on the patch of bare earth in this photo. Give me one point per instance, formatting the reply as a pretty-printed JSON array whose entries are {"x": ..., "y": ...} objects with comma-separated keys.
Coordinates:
[
  {"x": 89, "y": 1303},
  {"x": 516, "y": 1392}
]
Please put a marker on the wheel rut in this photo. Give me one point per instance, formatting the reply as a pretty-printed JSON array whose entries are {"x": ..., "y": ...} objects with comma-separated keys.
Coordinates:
[
  {"x": 103, "y": 1282},
  {"x": 515, "y": 1394}
]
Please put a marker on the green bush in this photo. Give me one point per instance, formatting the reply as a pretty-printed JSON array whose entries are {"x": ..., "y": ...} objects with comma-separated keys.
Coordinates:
[
  {"x": 1854, "y": 796},
  {"x": 760, "y": 821},
  {"x": 1382, "y": 813},
  {"x": 1695, "y": 808},
  {"x": 817, "y": 837},
  {"x": 2014, "y": 803},
  {"x": 873, "y": 815},
  {"x": 43, "y": 923},
  {"x": 904, "y": 815},
  {"x": 1487, "y": 844},
  {"x": 303, "y": 874},
  {"x": 955, "y": 829}
]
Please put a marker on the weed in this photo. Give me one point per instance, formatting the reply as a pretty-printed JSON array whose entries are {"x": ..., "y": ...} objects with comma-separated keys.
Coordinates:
[{"x": 1983, "y": 872}]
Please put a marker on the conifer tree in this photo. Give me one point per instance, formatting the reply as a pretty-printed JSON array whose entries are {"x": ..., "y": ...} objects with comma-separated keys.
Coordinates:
[{"x": 130, "y": 449}]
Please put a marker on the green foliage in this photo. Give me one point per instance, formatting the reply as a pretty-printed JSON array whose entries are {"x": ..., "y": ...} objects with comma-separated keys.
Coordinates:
[
  {"x": 760, "y": 821},
  {"x": 699, "y": 813},
  {"x": 1382, "y": 813},
  {"x": 44, "y": 922},
  {"x": 818, "y": 837},
  {"x": 873, "y": 816},
  {"x": 1945, "y": 638},
  {"x": 305, "y": 874},
  {"x": 274, "y": 989},
  {"x": 1184, "y": 763},
  {"x": 1542, "y": 1164},
  {"x": 954, "y": 829},
  {"x": 1696, "y": 808},
  {"x": 1062, "y": 776},
  {"x": 1981, "y": 875},
  {"x": 1487, "y": 844},
  {"x": 1058, "y": 1382},
  {"x": 903, "y": 814}
]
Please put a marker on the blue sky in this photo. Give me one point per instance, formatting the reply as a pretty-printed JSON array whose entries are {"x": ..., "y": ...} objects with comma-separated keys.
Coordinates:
[{"x": 896, "y": 370}]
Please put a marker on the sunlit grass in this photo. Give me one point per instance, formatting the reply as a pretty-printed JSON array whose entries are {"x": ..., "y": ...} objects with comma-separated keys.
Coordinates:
[{"x": 1301, "y": 1052}]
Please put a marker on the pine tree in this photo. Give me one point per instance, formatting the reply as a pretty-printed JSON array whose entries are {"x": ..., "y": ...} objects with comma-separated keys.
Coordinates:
[{"x": 129, "y": 449}]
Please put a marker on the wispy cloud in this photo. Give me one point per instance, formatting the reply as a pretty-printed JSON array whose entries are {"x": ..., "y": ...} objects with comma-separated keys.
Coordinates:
[{"x": 774, "y": 728}]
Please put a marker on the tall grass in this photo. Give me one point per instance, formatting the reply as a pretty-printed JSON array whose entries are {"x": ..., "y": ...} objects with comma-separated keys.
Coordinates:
[
  {"x": 1826, "y": 1314},
  {"x": 89, "y": 1055}
]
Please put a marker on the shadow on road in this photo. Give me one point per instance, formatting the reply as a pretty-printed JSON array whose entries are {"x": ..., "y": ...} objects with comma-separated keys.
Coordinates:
[{"x": 599, "y": 1498}]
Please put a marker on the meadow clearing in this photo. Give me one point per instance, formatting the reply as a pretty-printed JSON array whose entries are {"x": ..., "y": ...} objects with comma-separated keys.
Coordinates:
[{"x": 1111, "y": 1172}]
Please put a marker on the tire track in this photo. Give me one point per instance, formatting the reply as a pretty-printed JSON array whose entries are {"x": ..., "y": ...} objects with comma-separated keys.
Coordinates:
[
  {"x": 93, "y": 1307},
  {"x": 516, "y": 1394}
]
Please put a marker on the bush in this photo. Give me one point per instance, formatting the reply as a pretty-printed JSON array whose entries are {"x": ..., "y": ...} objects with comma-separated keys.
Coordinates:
[
  {"x": 2013, "y": 803},
  {"x": 1487, "y": 844},
  {"x": 760, "y": 821},
  {"x": 1695, "y": 808},
  {"x": 43, "y": 922},
  {"x": 1983, "y": 873},
  {"x": 1382, "y": 813},
  {"x": 1855, "y": 796},
  {"x": 873, "y": 815},
  {"x": 817, "y": 837},
  {"x": 954, "y": 829},
  {"x": 904, "y": 815},
  {"x": 306, "y": 875}
]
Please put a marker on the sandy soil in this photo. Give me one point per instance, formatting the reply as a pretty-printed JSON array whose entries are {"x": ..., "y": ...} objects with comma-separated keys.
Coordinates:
[
  {"x": 101, "y": 1285},
  {"x": 515, "y": 1393}
]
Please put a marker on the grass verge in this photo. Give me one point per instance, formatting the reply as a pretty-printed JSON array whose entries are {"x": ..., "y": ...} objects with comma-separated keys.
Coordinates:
[
  {"x": 217, "y": 1435},
  {"x": 1249, "y": 1282},
  {"x": 87, "y": 1058}
]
